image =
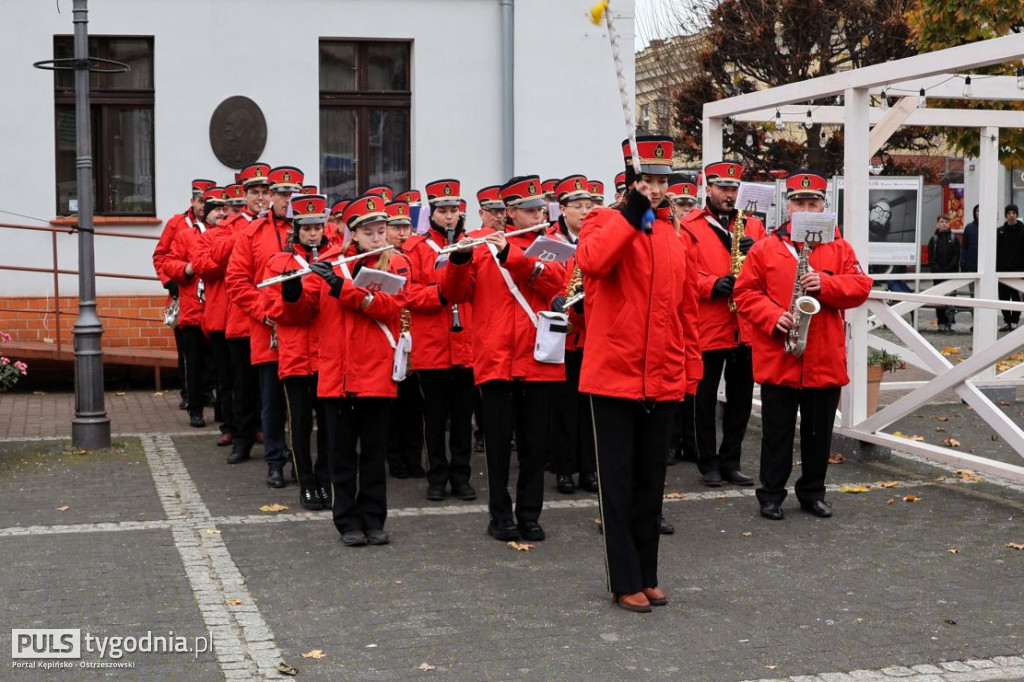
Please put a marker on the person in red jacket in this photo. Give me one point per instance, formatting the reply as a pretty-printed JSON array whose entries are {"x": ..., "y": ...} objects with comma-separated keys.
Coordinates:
[
  {"x": 297, "y": 349},
  {"x": 162, "y": 251},
  {"x": 572, "y": 435},
  {"x": 620, "y": 190},
  {"x": 442, "y": 352},
  {"x": 811, "y": 381},
  {"x": 357, "y": 329},
  {"x": 642, "y": 356},
  {"x": 722, "y": 344},
  {"x": 507, "y": 289},
  {"x": 597, "y": 192},
  {"x": 262, "y": 239}
]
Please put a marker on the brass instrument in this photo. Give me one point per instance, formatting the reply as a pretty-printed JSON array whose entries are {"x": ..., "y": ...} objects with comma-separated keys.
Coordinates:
[
  {"x": 574, "y": 290},
  {"x": 451, "y": 248},
  {"x": 736, "y": 256},
  {"x": 305, "y": 271},
  {"x": 802, "y": 307}
]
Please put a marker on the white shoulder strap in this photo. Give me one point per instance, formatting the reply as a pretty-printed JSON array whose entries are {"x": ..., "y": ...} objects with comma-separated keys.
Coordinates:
[
  {"x": 512, "y": 285},
  {"x": 383, "y": 327}
]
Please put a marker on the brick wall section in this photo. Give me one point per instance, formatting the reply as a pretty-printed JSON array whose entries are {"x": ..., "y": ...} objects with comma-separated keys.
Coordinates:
[{"x": 128, "y": 321}]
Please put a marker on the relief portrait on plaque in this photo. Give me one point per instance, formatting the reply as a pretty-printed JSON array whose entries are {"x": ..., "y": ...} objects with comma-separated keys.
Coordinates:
[{"x": 238, "y": 132}]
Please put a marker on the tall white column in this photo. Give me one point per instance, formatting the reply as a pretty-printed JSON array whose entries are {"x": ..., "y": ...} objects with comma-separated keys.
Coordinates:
[
  {"x": 986, "y": 321},
  {"x": 711, "y": 140}
]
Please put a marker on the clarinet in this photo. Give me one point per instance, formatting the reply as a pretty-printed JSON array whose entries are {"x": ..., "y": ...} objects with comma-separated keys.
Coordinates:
[{"x": 456, "y": 322}]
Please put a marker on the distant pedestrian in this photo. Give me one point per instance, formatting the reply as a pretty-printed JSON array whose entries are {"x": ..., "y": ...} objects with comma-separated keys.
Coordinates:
[
  {"x": 943, "y": 256},
  {"x": 1010, "y": 258},
  {"x": 969, "y": 245}
]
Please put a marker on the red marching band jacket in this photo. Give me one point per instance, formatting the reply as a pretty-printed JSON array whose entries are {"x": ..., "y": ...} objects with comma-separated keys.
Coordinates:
[
  {"x": 166, "y": 242},
  {"x": 763, "y": 293},
  {"x": 434, "y": 344},
  {"x": 503, "y": 334},
  {"x": 183, "y": 248},
  {"x": 211, "y": 270},
  {"x": 222, "y": 244},
  {"x": 577, "y": 335},
  {"x": 297, "y": 333},
  {"x": 355, "y": 356},
  {"x": 641, "y": 309},
  {"x": 254, "y": 247},
  {"x": 719, "y": 327}
]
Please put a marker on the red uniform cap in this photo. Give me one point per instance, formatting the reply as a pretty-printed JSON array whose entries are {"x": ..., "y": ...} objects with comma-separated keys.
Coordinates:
[
  {"x": 339, "y": 207},
  {"x": 523, "y": 191},
  {"x": 572, "y": 188},
  {"x": 724, "y": 173},
  {"x": 463, "y": 206},
  {"x": 683, "y": 191},
  {"x": 655, "y": 153},
  {"x": 215, "y": 195},
  {"x": 199, "y": 186},
  {"x": 804, "y": 184},
  {"x": 398, "y": 213},
  {"x": 238, "y": 177},
  {"x": 236, "y": 195},
  {"x": 446, "y": 192},
  {"x": 255, "y": 174},
  {"x": 383, "y": 191},
  {"x": 286, "y": 179},
  {"x": 368, "y": 208},
  {"x": 411, "y": 197},
  {"x": 549, "y": 186},
  {"x": 597, "y": 190},
  {"x": 310, "y": 189},
  {"x": 490, "y": 197},
  {"x": 309, "y": 208},
  {"x": 620, "y": 182}
]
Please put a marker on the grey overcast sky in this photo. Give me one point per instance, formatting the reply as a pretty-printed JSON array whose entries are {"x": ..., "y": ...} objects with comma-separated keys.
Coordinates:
[{"x": 657, "y": 19}]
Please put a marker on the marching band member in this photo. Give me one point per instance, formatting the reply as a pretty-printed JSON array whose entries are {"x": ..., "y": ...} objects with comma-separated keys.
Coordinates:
[
  {"x": 811, "y": 381},
  {"x": 442, "y": 351},
  {"x": 722, "y": 344},
  {"x": 255, "y": 246},
  {"x": 572, "y": 430},
  {"x": 405, "y": 437},
  {"x": 357, "y": 328},
  {"x": 335, "y": 229},
  {"x": 642, "y": 356},
  {"x": 507, "y": 289},
  {"x": 683, "y": 196},
  {"x": 620, "y": 190},
  {"x": 297, "y": 349},
  {"x": 236, "y": 198},
  {"x": 597, "y": 192}
]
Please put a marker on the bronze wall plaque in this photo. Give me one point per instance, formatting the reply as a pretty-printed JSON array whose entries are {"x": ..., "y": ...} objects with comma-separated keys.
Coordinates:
[{"x": 238, "y": 132}]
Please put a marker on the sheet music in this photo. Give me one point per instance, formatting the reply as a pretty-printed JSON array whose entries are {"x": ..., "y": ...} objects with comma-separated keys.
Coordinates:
[
  {"x": 755, "y": 197},
  {"x": 548, "y": 250},
  {"x": 820, "y": 226},
  {"x": 378, "y": 280}
]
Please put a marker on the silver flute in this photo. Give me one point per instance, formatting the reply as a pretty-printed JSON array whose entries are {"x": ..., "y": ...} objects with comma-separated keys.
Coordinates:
[
  {"x": 451, "y": 248},
  {"x": 305, "y": 271}
]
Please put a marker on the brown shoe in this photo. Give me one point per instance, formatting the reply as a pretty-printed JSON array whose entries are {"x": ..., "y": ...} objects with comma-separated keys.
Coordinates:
[
  {"x": 225, "y": 439},
  {"x": 656, "y": 596},
  {"x": 636, "y": 602},
  {"x": 259, "y": 437}
]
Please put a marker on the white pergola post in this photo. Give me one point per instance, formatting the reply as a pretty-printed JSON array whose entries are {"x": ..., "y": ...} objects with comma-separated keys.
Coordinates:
[
  {"x": 856, "y": 160},
  {"x": 985, "y": 319},
  {"x": 711, "y": 139}
]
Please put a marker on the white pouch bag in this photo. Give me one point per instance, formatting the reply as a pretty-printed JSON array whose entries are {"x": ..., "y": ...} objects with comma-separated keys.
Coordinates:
[{"x": 551, "y": 330}]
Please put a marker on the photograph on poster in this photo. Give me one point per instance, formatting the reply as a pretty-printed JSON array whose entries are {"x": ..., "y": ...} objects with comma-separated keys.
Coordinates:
[{"x": 894, "y": 209}]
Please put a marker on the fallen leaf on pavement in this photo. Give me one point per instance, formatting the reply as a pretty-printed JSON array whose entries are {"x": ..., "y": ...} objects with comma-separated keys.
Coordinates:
[
  {"x": 747, "y": 534},
  {"x": 674, "y": 496},
  {"x": 273, "y": 507},
  {"x": 315, "y": 653},
  {"x": 911, "y": 498},
  {"x": 157, "y": 394},
  {"x": 771, "y": 667},
  {"x": 398, "y": 582},
  {"x": 720, "y": 496},
  {"x": 889, "y": 484},
  {"x": 235, "y": 601},
  {"x": 939, "y": 429},
  {"x": 286, "y": 669},
  {"x": 951, "y": 442},
  {"x": 940, "y": 479},
  {"x": 942, "y": 419},
  {"x": 63, "y": 507},
  {"x": 120, "y": 394},
  {"x": 855, "y": 489},
  {"x": 1015, "y": 545},
  {"x": 949, "y": 621},
  {"x": 836, "y": 458},
  {"x": 952, "y": 350},
  {"x": 891, "y": 500},
  {"x": 953, "y": 550},
  {"x": 425, "y": 666},
  {"x": 212, "y": 531},
  {"x": 520, "y": 546},
  {"x": 900, "y": 434},
  {"x": 597, "y": 521},
  {"x": 38, "y": 392},
  {"x": 994, "y": 437}
]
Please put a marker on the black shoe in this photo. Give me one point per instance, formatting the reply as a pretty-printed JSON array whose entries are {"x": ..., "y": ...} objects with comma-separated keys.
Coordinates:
[
  {"x": 565, "y": 485},
  {"x": 353, "y": 538},
  {"x": 819, "y": 508},
  {"x": 712, "y": 479},
  {"x": 324, "y": 493},
  {"x": 1006, "y": 327},
  {"x": 275, "y": 477},
  {"x": 478, "y": 443},
  {"x": 771, "y": 510},
  {"x": 435, "y": 492},
  {"x": 674, "y": 456},
  {"x": 377, "y": 536},
  {"x": 398, "y": 471},
  {"x": 664, "y": 527},
  {"x": 463, "y": 491},
  {"x": 737, "y": 478},
  {"x": 588, "y": 481},
  {"x": 239, "y": 452},
  {"x": 416, "y": 471},
  {"x": 183, "y": 405},
  {"x": 196, "y": 421},
  {"x": 310, "y": 500},
  {"x": 505, "y": 531},
  {"x": 531, "y": 530}
]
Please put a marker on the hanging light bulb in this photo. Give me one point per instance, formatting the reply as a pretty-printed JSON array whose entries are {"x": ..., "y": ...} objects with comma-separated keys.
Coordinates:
[
  {"x": 1020, "y": 78},
  {"x": 808, "y": 120},
  {"x": 779, "y": 123},
  {"x": 923, "y": 101},
  {"x": 750, "y": 140},
  {"x": 885, "y": 99},
  {"x": 729, "y": 129},
  {"x": 968, "y": 93},
  {"x": 769, "y": 138},
  {"x": 823, "y": 138}
]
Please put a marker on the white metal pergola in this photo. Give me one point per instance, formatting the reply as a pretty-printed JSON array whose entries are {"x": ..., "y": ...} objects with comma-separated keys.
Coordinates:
[{"x": 941, "y": 75}]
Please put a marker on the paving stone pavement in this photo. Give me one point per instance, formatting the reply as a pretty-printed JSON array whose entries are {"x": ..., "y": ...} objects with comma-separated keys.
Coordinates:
[{"x": 159, "y": 534}]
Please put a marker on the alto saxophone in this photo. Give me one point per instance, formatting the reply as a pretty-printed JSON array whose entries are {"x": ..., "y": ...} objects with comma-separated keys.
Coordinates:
[
  {"x": 736, "y": 256},
  {"x": 574, "y": 290},
  {"x": 801, "y": 306}
]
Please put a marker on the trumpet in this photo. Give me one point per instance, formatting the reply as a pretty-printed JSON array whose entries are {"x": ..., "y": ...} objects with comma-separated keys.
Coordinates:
[
  {"x": 284, "y": 277},
  {"x": 451, "y": 248}
]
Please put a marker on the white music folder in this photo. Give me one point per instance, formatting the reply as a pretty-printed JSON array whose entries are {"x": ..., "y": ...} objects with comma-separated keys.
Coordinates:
[
  {"x": 548, "y": 250},
  {"x": 378, "y": 280}
]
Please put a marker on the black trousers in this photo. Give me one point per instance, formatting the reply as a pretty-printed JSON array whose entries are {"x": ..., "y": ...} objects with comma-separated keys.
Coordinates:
[
  {"x": 273, "y": 414},
  {"x": 1008, "y": 293},
  {"x": 245, "y": 392},
  {"x": 739, "y": 391},
  {"x": 357, "y": 442},
  {"x": 179, "y": 345},
  {"x": 301, "y": 401},
  {"x": 196, "y": 350},
  {"x": 225, "y": 381},
  {"x": 405, "y": 430},
  {"x": 631, "y": 439},
  {"x": 448, "y": 397},
  {"x": 522, "y": 408},
  {"x": 573, "y": 430},
  {"x": 778, "y": 423},
  {"x": 684, "y": 429}
]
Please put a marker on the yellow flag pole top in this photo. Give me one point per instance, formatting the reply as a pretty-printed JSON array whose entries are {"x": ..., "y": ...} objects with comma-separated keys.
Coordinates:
[{"x": 597, "y": 12}]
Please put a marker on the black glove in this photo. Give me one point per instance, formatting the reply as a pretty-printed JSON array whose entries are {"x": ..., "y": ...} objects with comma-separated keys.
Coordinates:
[
  {"x": 442, "y": 299},
  {"x": 745, "y": 245},
  {"x": 503, "y": 254},
  {"x": 325, "y": 271},
  {"x": 460, "y": 257},
  {"x": 723, "y": 286},
  {"x": 172, "y": 289},
  {"x": 631, "y": 176},
  {"x": 634, "y": 208},
  {"x": 558, "y": 304},
  {"x": 291, "y": 289}
]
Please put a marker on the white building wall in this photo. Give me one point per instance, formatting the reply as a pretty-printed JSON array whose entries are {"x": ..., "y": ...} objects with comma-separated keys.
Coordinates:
[{"x": 567, "y": 113}]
